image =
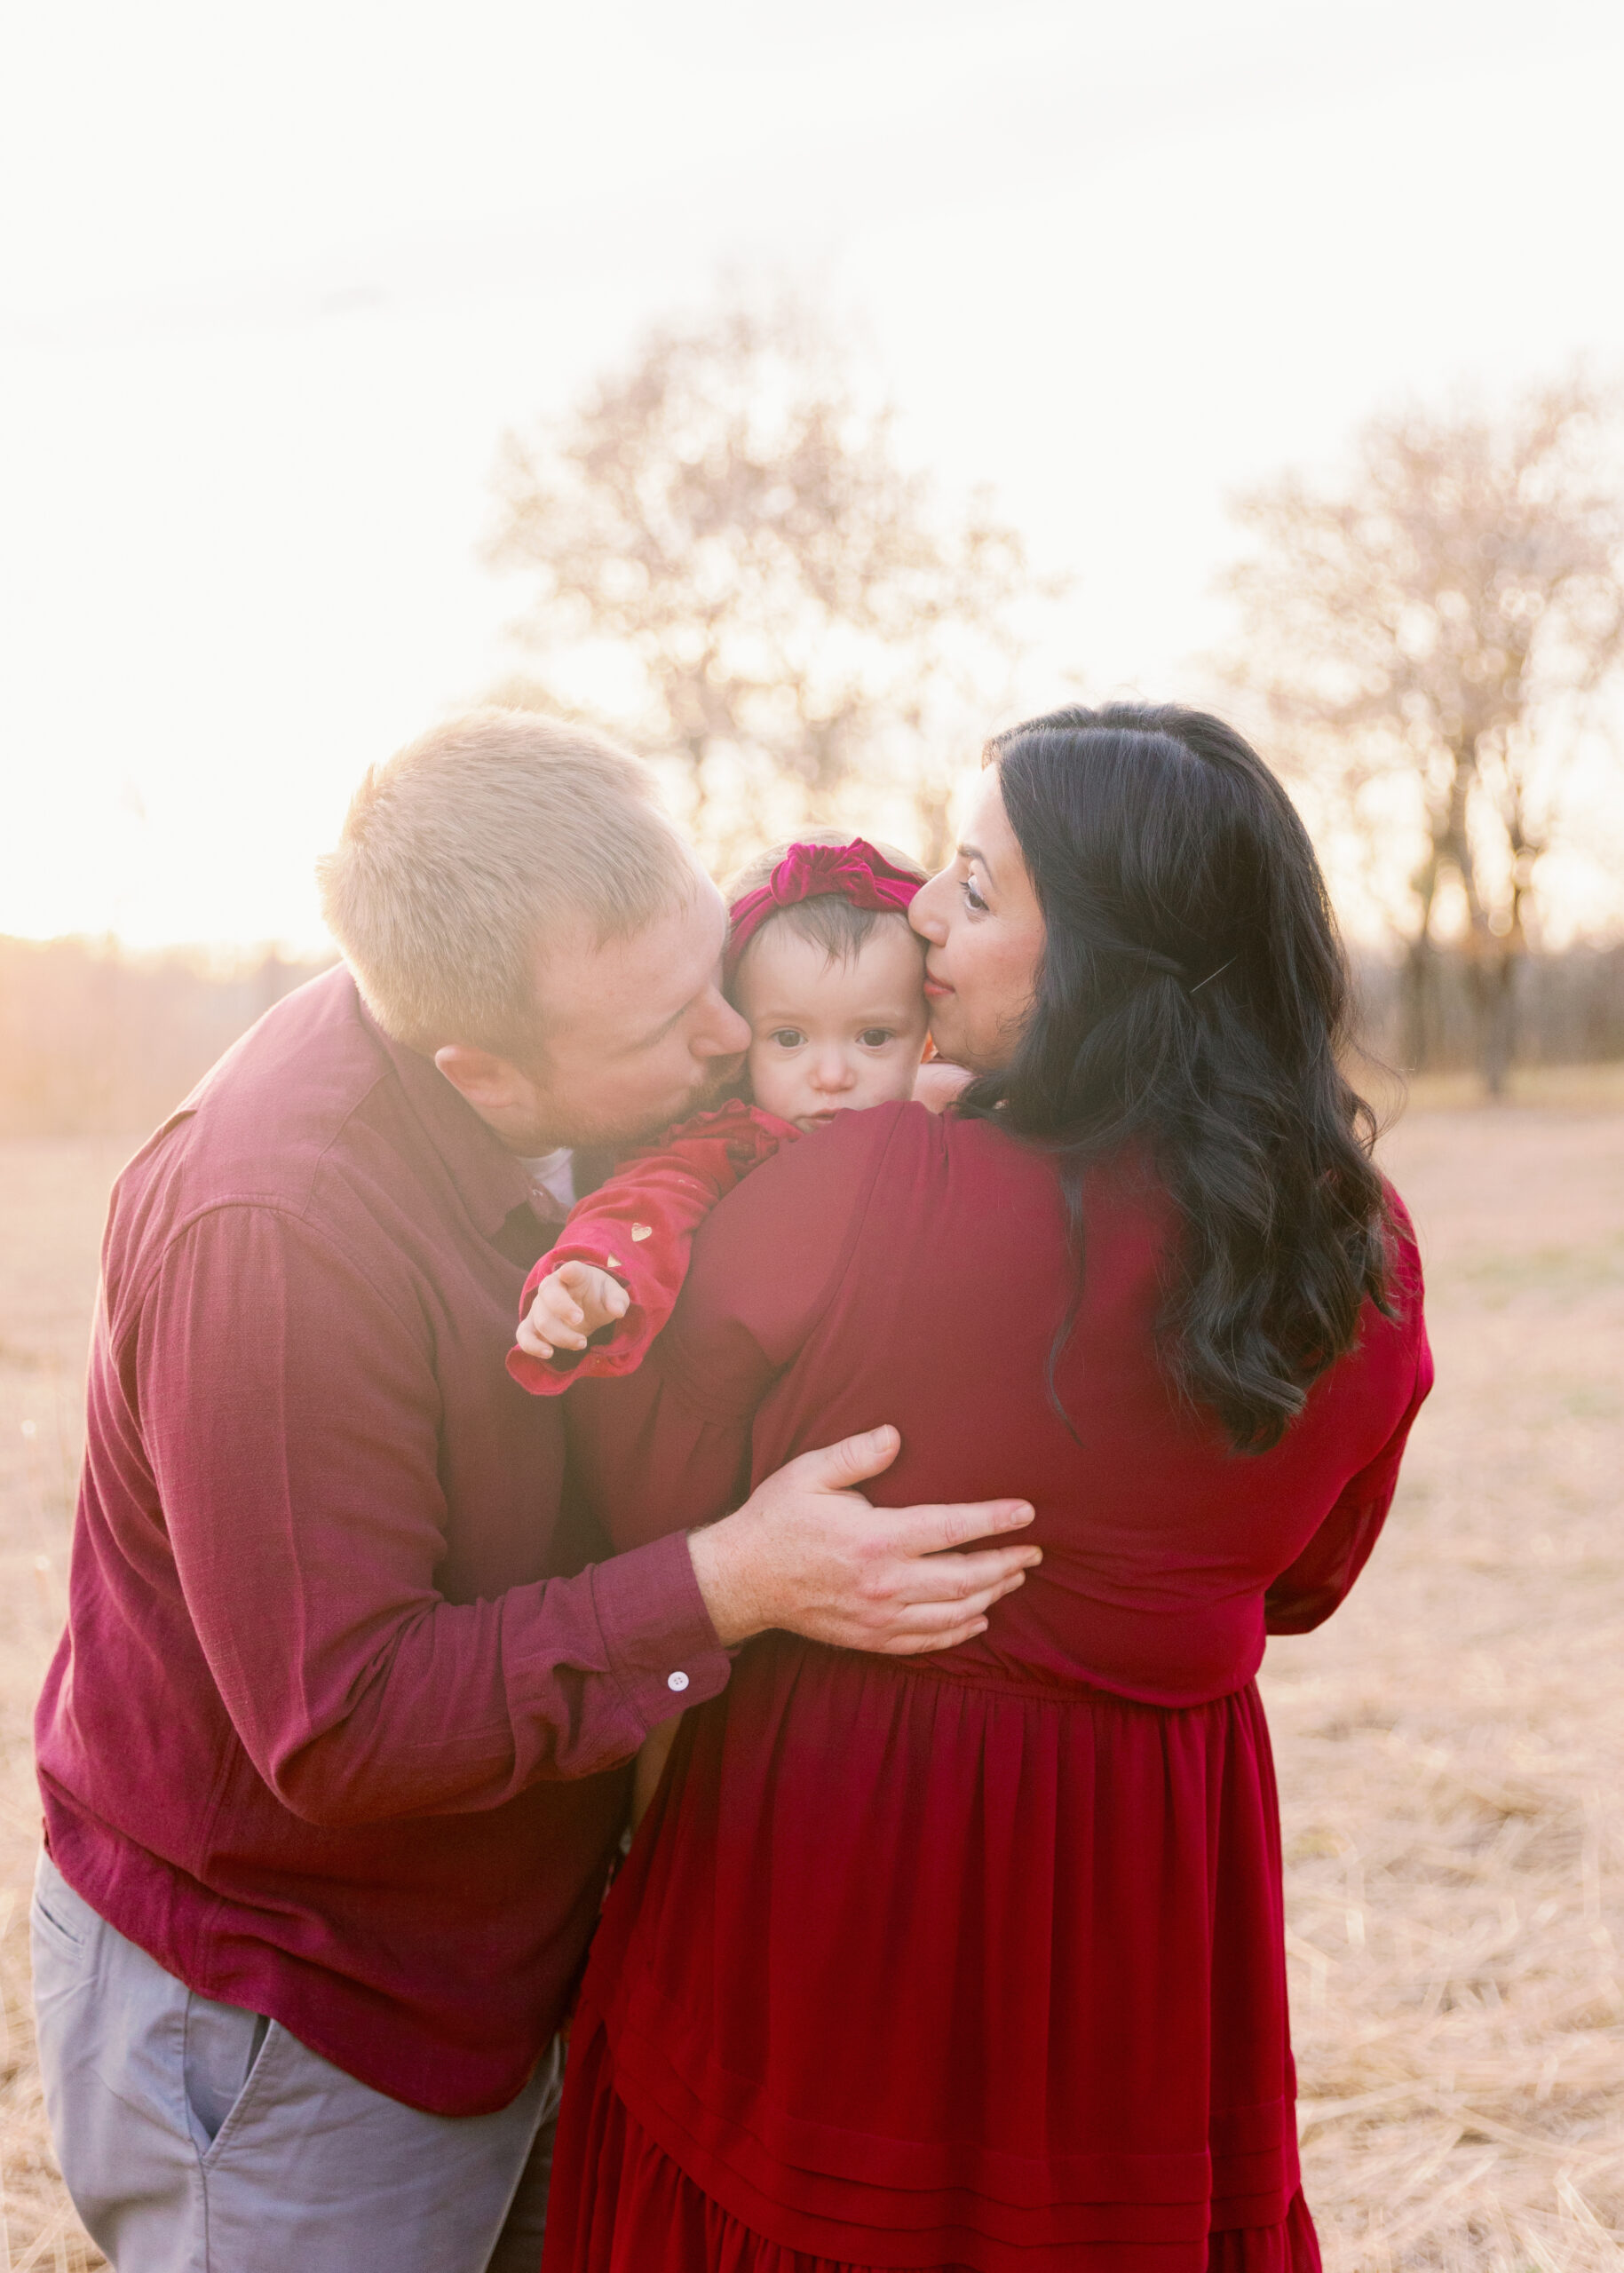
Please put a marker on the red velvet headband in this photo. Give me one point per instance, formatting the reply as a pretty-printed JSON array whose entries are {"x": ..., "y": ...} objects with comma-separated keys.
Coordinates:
[{"x": 853, "y": 872}]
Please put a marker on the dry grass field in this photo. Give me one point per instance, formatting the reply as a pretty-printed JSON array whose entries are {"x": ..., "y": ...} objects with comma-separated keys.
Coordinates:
[{"x": 1451, "y": 1746}]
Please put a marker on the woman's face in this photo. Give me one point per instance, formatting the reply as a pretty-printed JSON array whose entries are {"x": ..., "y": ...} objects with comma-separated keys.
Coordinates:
[{"x": 984, "y": 938}]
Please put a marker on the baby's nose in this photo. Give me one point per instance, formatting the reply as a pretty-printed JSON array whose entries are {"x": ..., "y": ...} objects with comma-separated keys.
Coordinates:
[{"x": 831, "y": 1071}]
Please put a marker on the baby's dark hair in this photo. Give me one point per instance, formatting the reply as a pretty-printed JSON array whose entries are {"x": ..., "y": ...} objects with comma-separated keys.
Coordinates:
[{"x": 828, "y": 919}]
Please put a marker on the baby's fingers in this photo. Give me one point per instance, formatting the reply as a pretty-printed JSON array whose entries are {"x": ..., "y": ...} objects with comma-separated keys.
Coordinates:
[
  {"x": 530, "y": 1341},
  {"x": 601, "y": 1297},
  {"x": 555, "y": 1305},
  {"x": 556, "y": 1317}
]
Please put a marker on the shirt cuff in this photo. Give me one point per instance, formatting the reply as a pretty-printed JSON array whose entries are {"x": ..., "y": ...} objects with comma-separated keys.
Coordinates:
[{"x": 662, "y": 1647}]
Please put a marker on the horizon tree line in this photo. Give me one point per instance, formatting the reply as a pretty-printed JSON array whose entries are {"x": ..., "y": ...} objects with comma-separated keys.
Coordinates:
[{"x": 731, "y": 566}]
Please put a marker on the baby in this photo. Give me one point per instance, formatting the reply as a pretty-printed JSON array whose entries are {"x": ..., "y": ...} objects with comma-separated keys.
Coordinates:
[{"x": 822, "y": 965}]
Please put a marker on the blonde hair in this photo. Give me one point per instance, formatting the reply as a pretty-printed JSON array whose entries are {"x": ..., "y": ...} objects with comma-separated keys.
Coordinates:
[
  {"x": 462, "y": 852},
  {"x": 828, "y": 919}
]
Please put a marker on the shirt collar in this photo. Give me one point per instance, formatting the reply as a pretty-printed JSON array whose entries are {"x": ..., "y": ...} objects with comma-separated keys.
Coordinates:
[{"x": 492, "y": 1180}]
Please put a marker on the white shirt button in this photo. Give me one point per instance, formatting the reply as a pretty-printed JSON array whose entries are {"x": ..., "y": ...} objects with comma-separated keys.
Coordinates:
[{"x": 676, "y": 1681}]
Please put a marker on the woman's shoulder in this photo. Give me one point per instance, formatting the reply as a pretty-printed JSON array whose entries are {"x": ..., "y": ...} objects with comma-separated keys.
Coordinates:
[
  {"x": 809, "y": 1193},
  {"x": 908, "y": 1141},
  {"x": 831, "y": 1167}
]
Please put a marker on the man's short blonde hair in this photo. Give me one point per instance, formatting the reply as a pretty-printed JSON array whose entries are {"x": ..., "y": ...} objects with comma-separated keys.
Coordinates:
[{"x": 468, "y": 848}]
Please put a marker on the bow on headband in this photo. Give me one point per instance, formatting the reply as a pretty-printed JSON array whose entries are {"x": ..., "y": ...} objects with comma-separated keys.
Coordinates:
[{"x": 854, "y": 872}]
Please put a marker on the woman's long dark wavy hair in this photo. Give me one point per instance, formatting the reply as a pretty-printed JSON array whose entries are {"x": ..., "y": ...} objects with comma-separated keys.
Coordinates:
[{"x": 1190, "y": 1006}]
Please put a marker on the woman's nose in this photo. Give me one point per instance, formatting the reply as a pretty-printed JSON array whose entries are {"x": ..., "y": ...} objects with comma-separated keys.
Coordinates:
[{"x": 922, "y": 912}]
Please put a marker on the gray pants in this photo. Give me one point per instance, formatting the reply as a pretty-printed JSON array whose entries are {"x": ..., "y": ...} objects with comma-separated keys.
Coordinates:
[{"x": 197, "y": 2137}]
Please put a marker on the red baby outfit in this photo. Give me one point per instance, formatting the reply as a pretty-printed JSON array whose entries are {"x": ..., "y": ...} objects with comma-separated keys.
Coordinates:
[{"x": 640, "y": 1226}]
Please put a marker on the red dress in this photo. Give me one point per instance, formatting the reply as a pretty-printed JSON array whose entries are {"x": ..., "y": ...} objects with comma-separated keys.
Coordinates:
[{"x": 972, "y": 1961}]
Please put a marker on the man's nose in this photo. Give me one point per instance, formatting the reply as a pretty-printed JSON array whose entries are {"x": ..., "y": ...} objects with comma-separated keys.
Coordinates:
[{"x": 724, "y": 1034}]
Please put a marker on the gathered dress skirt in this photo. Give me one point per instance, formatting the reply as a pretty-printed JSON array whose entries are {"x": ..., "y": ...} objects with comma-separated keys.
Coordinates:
[{"x": 917, "y": 1964}]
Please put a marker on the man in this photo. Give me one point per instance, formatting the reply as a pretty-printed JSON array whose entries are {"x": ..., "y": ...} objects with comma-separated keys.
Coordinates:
[{"x": 333, "y": 1751}]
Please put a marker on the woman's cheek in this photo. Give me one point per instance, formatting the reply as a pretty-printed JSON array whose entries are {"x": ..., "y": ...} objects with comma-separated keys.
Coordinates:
[{"x": 947, "y": 1030}]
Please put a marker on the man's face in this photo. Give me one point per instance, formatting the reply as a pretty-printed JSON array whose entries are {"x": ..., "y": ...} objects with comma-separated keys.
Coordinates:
[{"x": 637, "y": 1032}]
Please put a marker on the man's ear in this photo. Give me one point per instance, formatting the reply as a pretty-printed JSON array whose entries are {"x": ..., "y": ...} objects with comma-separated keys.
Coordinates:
[{"x": 489, "y": 1083}]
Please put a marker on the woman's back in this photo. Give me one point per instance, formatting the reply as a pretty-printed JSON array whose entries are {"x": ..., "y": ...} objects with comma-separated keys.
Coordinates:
[
  {"x": 908, "y": 1268},
  {"x": 960, "y": 1960}
]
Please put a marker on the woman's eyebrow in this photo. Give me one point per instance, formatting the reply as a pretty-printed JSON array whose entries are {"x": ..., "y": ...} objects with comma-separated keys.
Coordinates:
[{"x": 974, "y": 852}]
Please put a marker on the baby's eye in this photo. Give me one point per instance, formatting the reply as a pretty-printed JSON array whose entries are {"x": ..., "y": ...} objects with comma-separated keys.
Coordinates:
[
  {"x": 787, "y": 1037},
  {"x": 875, "y": 1037},
  {"x": 972, "y": 897}
]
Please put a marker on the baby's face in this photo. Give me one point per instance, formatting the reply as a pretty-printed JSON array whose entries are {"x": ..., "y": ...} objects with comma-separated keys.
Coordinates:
[{"x": 832, "y": 1037}]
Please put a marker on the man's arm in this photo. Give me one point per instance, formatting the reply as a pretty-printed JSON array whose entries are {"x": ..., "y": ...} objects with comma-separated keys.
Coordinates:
[
  {"x": 290, "y": 1414},
  {"x": 670, "y": 1447}
]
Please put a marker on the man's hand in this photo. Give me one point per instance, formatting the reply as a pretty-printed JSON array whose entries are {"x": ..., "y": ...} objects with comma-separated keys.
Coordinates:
[
  {"x": 571, "y": 1303},
  {"x": 807, "y": 1554}
]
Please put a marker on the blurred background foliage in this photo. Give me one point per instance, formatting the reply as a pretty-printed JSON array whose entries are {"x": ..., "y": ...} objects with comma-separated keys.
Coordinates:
[
  {"x": 727, "y": 564},
  {"x": 731, "y": 568}
]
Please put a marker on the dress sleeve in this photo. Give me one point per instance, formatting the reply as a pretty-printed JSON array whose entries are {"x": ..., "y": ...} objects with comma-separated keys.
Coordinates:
[
  {"x": 640, "y": 1226},
  {"x": 669, "y": 1446},
  {"x": 1304, "y": 1595}
]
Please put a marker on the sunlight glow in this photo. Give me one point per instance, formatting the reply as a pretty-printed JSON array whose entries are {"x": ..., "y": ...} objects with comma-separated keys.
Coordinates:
[{"x": 287, "y": 279}]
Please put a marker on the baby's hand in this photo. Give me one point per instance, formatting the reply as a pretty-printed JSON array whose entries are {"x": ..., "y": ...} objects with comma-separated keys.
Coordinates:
[{"x": 571, "y": 1302}]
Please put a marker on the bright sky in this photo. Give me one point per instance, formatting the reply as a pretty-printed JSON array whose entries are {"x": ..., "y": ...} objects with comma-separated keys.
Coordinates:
[{"x": 277, "y": 280}]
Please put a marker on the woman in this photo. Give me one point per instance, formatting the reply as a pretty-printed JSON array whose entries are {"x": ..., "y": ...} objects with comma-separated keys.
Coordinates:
[{"x": 976, "y": 1960}]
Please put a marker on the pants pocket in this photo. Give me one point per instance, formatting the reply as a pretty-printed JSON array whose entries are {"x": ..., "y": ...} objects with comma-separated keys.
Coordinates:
[
  {"x": 58, "y": 1914},
  {"x": 221, "y": 2049}
]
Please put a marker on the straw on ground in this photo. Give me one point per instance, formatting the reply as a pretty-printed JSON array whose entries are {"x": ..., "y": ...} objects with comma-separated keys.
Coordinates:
[{"x": 1451, "y": 1746}]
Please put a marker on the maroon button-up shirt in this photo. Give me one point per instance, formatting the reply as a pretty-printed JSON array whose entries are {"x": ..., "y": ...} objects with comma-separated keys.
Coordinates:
[{"x": 327, "y": 1729}]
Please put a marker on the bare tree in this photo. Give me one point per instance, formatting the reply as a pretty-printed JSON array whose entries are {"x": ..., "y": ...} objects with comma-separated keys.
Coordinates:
[
  {"x": 1433, "y": 637},
  {"x": 738, "y": 573}
]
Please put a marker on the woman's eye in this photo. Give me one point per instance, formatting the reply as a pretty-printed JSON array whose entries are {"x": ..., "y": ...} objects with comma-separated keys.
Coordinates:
[
  {"x": 787, "y": 1037},
  {"x": 875, "y": 1037},
  {"x": 972, "y": 897}
]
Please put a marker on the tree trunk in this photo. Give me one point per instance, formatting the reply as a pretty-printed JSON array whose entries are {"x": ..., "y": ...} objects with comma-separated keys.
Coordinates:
[
  {"x": 1419, "y": 994},
  {"x": 1496, "y": 994}
]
